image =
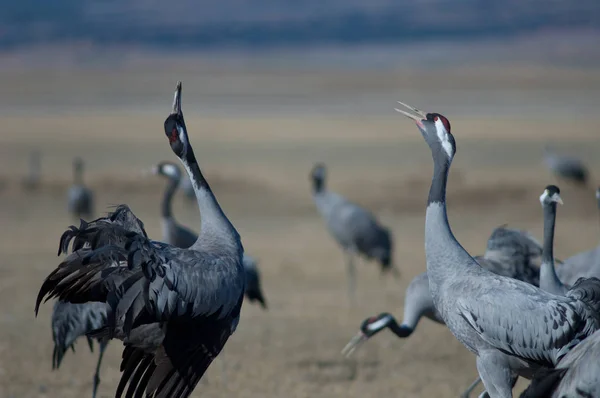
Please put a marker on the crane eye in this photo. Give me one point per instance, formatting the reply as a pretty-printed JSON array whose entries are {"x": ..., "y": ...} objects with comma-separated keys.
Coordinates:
[{"x": 435, "y": 119}]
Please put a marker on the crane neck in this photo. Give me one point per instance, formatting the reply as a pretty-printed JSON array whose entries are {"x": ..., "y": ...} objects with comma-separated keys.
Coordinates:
[
  {"x": 402, "y": 330},
  {"x": 78, "y": 175},
  {"x": 216, "y": 231},
  {"x": 319, "y": 186},
  {"x": 171, "y": 188},
  {"x": 444, "y": 254},
  {"x": 548, "y": 278}
]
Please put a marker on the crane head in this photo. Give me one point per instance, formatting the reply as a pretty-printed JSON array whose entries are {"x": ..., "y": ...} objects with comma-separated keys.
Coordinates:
[
  {"x": 368, "y": 328},
  {"x": 551, "y": 195},
  {"x": 318, "y": 174},
  {"x": 435, "y": 128},
  {"x": 175, "y": 129},
  {"x": 167, "y": 169}
]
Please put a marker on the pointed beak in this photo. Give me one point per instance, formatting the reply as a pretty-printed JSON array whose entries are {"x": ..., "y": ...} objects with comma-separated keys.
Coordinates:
[
  {"x": 420, "y": 115},
  {"x": 558, "y": 199},
  {"x": 354, "y": 344},
  {"x": 177, "y": 101}
]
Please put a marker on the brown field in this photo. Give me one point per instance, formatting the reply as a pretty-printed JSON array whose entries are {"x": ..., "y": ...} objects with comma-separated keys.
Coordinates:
[{"x": 256, "y": 132}]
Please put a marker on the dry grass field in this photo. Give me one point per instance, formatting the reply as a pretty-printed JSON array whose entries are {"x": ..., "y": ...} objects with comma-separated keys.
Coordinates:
[{"x": 256, "y": 133}]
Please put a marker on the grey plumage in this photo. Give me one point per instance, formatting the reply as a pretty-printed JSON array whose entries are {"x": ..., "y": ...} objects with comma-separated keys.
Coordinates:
[
  {"x": 576, "y": 375},
  {"x": 194, "y": 294},
  {"x": 512, "y": 327},
  {"x": 32, "y": 180},
  {"x": 71, "y": 321},
  {"x": 187, "y": 187},
  {"x": 173, "y": 233},
  {"x": 510, "y": 252},
  {"x": 567, "y": 167},
  {"x": 80, "y": 200},
  {"x": 177, "y": 235},
  {"x": 582, "y": 265},
  {"x": 355, "y": 229}
]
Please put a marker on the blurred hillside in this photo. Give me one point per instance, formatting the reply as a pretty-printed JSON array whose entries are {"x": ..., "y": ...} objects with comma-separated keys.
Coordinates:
[{"x": 242, "y": 23}]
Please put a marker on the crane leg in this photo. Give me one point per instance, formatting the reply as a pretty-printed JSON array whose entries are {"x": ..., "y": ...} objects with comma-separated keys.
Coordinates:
[
  {"x": 103, "y": 345},
  {"x": 495, "y": 374},
  {"x": 351, "y": 275},
  {"x": 470, "y": 389}
]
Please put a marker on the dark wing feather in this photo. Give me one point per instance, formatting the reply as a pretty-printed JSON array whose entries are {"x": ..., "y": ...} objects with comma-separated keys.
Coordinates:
[
  {"x": 587, "y": 290},
  {"x": 178, "y": 365},
  {"x": 549, "y": 325}
]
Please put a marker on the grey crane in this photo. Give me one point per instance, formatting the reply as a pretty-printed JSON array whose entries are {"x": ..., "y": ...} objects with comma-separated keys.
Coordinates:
[
  {"x": 585, "y": 289},
  {"x": 177, "y": 235},
  {"x": 512, "y": 327},
  {"x": 80, "y": 200},
  {"x": 71, "y": 321},
  {"x": 513, "y": 249},
  {"x": 549, "y": 280},
  {"x": 585, "y": 264},
  {"x": 32, "y": 180},
  {"x": 576, "y": 375},
  {"x": 567, "y": 167},
  {"x": 355, "y": 229},
  {"x": 173, "y": 233},
  {"x": 194, "y": 295}
]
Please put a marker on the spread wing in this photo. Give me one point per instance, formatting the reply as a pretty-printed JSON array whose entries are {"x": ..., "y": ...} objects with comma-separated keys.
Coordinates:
[
  {"x": 538, "y": 327},
  {"x": 196, "y": 296},
  {"x": 144, "y": 281}
]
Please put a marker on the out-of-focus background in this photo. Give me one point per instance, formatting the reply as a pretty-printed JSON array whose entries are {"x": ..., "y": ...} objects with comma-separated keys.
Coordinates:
[{"x": 269, "y": 88}]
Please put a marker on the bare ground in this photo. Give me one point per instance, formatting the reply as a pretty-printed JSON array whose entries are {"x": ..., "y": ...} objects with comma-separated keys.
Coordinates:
[{"x": 258, "y": 164}]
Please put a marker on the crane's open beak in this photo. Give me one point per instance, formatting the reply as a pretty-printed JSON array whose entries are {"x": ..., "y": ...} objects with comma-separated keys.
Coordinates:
[
  {"x": 420, "y": 115},
  {"x": 354, "y": 344},
  {"x": 177, "y": 101}
]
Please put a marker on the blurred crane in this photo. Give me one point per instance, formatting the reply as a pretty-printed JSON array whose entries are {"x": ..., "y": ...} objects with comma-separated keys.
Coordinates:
[
  {"x": 80, "y": 200},
  {"x": 71, "y": 321},
  {"x": 355, "y": 229},
  {"x": 32, "y": 180},
  {"x": 567, "y": 167}
]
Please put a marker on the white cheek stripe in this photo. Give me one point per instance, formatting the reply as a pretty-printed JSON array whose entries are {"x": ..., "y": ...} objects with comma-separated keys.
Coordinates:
[
  {"x": 443, "y": 137},
  {"x": 377, "y": 325},
  {"x": 544, "y": 196},
  {"x": 170, "y": 170}
]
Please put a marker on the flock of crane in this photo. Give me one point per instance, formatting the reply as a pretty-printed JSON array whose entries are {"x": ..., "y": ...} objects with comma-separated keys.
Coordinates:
[{"x": 174, "y": 303}]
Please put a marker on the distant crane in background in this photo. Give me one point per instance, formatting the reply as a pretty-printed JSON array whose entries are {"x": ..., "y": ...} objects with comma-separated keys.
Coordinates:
[
  {"x": 71, "y": 321},
  {"x": 355, "y": 229},
  {"x": 80, "y": 199},
  {"x": 566, "y": 167},
  {"x": 32, "y": 180}
]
